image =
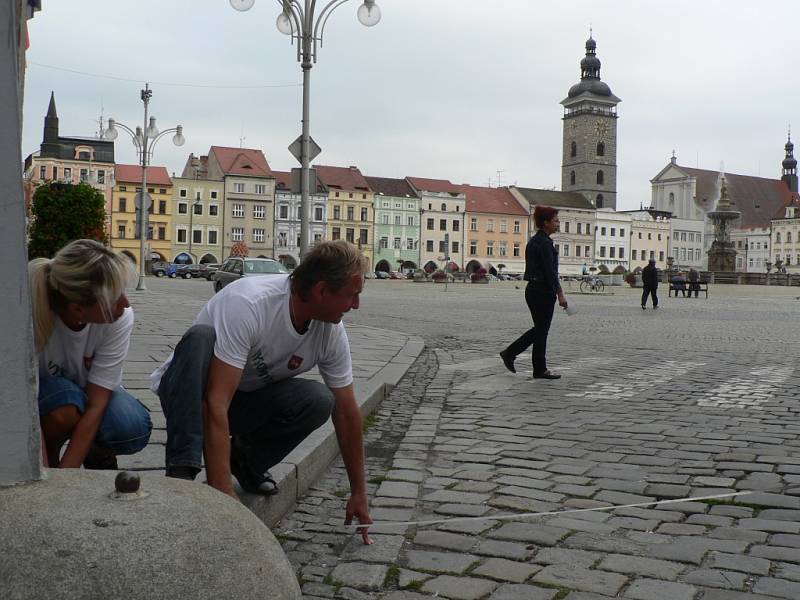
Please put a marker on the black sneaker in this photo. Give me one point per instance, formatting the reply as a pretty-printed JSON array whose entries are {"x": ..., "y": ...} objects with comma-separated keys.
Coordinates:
[
  {"x": 100, "y": 458},
  {"x": 546, "y": 375},
  {"x": 251, "y": 481}
]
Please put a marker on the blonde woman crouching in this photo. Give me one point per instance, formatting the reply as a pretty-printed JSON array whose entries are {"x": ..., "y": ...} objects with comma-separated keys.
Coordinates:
[{"x": 82, "y": 323}]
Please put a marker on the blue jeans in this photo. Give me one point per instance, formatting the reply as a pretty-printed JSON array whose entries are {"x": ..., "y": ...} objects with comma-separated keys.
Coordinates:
[
  {"x": 126, "y": 426},
  {"x": 266, "y": 424}
]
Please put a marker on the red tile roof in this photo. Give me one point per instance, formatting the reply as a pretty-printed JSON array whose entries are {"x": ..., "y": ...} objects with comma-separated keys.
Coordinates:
[
  {"x": 421, "y": 184},
  {"x": 241, "y": 161},
  {"x": 491, "y": 200},
  {"x": 133, "y": 174},
  {"x": 398, "y": 188},
  {"x": 757, "y": 198},
  {"x": 342, "y": 178},
  {"x": 283, "y": 182},
  {"x": 793, "y": 200}
]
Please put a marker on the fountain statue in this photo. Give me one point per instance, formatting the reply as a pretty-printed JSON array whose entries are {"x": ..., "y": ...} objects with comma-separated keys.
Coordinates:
[{"x": 722, "y": 254}]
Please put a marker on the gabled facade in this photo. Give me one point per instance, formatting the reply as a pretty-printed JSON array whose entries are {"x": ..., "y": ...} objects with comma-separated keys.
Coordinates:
[
  {"x": 785, "y": 236},
  {"x": 497, "y": 230},
  {"x": 691, "y": 193},
  {"x": 197, "y": 212},
  {"x": 575, "y": 238},
  {"x": 396, "y": 225},
  {"x": 287, "y": 218},
  {"x": 248, "y": 197},
  {"x": 351, "y": 207},
  {"x": 589, "y": 146},
  {"x": 70, "y": 160},
  {"x": 442, "y": 206},
  {"x": 124, "y": 217}
]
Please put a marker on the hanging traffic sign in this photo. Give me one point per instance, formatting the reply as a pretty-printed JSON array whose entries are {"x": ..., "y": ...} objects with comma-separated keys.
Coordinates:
[
  {"x": 138, "y": 201},
  {"x": 296, "y": 148}
]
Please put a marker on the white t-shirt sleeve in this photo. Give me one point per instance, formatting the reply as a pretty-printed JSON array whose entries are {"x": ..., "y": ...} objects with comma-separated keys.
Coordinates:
[
  {"x": 335, "y": 365},
  {"x": 236, "y": 326},
  {"x": 106, "y": 367}
]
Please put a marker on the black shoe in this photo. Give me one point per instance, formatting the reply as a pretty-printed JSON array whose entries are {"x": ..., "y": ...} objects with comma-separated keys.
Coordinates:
[
  {"x": 508, "y": 361},
  {"x": 546, "y": 375},
  {"x": 251, "y": 481},
  {"x": 182, "y": 472},
  {"x": 644, "y": 307},
  {"x": 100, "y": 458}
]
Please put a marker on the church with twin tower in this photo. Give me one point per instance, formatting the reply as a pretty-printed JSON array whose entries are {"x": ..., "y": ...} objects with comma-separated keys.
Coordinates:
[{"x": 589, "y": 163}]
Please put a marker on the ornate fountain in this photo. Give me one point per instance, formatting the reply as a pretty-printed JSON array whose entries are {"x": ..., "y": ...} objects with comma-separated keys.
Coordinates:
[{"x": 722, "y": 254}]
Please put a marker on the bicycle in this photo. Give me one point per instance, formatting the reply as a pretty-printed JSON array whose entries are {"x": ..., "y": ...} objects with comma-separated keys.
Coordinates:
[{"x": 592, "y": 284}]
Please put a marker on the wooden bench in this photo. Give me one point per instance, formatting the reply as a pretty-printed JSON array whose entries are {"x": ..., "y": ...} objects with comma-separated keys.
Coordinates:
[{"x": 699, "y": 286}]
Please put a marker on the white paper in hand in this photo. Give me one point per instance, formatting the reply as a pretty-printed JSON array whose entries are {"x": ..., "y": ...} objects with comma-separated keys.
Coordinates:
[{"x": 571, "y": 308}]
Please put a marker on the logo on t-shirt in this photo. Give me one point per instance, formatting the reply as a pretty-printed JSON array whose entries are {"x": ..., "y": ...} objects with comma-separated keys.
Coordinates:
[{"x": 294, "y": 362}]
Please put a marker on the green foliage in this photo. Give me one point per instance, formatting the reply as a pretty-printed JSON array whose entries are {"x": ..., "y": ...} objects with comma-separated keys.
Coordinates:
[{"x": 62, "y": 213}]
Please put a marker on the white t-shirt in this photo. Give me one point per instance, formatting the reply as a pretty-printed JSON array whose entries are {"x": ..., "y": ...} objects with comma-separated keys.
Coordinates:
[
  {"x": 92, "y": 355},
  {"x": 255, "y": 333}
]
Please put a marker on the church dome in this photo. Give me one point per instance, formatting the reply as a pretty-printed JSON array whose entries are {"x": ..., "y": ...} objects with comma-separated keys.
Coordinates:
[
  {"x": 590, "y": 62},
  {"x": 591, "y": 44},
  {"x": 790, "y": 162},
  {"x": 594, "y": 86}
]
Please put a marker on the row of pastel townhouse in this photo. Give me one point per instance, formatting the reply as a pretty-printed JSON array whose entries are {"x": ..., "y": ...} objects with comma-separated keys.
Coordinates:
[{"x": 232, "y": 195}]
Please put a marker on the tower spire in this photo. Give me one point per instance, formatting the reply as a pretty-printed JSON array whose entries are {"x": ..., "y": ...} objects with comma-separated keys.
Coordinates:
[
  {"x": 790, "y": 164},
  {"x": 50, "y": 146}
]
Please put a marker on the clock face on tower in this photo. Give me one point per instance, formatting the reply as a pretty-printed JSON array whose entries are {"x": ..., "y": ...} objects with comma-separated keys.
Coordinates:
[{"x": 601, "y": 128}]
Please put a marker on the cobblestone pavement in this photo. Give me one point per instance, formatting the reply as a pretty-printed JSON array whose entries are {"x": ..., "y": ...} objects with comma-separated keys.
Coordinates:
[{"x": 697, "y": 398}]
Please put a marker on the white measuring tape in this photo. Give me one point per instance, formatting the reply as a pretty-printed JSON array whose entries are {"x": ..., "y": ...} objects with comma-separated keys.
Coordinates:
[{"x": 512, "y": 517}]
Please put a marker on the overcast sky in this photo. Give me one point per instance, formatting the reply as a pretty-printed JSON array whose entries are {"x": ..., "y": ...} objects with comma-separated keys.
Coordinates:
[{"x": 452, "y": 89}]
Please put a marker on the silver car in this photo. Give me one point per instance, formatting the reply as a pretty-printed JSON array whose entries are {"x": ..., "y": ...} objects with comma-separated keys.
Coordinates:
[{"x": 237, "y": 267}]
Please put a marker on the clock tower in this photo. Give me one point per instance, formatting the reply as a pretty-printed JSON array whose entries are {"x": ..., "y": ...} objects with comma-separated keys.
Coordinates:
[{"x": 589, "y": 163}]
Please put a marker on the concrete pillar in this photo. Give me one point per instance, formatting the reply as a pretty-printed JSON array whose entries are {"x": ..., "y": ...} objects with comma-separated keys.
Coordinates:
[{"x": 19, "y": 417}]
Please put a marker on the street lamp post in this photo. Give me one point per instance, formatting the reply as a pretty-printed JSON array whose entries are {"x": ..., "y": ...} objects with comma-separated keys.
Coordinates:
[
  {"x": 144, "y": 138},
  {"x": 300, "y": 20}
]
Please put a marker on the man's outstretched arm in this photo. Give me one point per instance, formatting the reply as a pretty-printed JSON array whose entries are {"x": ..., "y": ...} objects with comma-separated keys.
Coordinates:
[
  {"x": 349, "y": 432},
  {"x": 223, "y": 379}
]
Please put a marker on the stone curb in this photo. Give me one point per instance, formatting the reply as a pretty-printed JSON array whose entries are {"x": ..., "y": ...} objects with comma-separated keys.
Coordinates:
[{"x": 301, "y": 469}]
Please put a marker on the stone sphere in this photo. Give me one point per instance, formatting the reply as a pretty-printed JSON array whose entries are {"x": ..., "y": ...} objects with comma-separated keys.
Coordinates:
[{"x": 70, "y": 536}]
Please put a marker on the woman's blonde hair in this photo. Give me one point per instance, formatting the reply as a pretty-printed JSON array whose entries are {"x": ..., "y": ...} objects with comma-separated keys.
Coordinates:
[{"x": 83, "y": 272}]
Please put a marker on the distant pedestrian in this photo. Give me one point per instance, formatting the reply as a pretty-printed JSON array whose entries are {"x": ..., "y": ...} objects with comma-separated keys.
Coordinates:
[
  {"x": 541, "y": 273},
  {"x": 694, "y": 283},
  {"x": 584, "y": 270},
  {"x": 83, "y": 323},
  {"x": 650, "y": 283},
  {"x": 679, "y": 283}
]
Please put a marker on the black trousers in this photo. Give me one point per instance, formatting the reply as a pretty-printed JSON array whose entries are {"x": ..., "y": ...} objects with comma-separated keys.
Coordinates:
[
  {"x": 541, "y": 303},
  {"x": 648, "y": 291}
]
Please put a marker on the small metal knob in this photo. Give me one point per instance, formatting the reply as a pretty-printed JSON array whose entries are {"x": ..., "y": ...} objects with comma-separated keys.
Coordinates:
[{"x": 127, "y": 482}]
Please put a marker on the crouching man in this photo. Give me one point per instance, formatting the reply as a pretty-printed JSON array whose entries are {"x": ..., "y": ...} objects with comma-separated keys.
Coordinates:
[{"x": 229, "y": 390}]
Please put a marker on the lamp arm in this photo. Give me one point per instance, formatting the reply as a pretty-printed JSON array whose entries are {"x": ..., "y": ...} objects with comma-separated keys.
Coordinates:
[
  {"x": 162, "y": 134},
  {"x": 125, "y": 128},
  {"x": 322, "y": 20}
]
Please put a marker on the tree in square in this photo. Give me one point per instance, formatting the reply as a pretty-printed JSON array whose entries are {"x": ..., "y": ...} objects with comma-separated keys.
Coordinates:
[{"x": 62, "y": 213}]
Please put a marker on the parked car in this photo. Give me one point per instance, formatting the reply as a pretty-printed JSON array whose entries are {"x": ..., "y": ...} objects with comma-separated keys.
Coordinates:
[
  {"x": 188, "y": 271},
  {"x": 162, "y": 268},
  {"x": 237, "y": 267},
  {"x": 395, "y": 275},
  {"x": 207, "y": 270},
  {"x": 369, "y": 275},
  {"x": 381, "y": 275}
]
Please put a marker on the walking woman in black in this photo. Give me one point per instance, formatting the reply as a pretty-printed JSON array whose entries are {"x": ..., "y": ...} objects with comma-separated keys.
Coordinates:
[{"x": 541, "y": 273}]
